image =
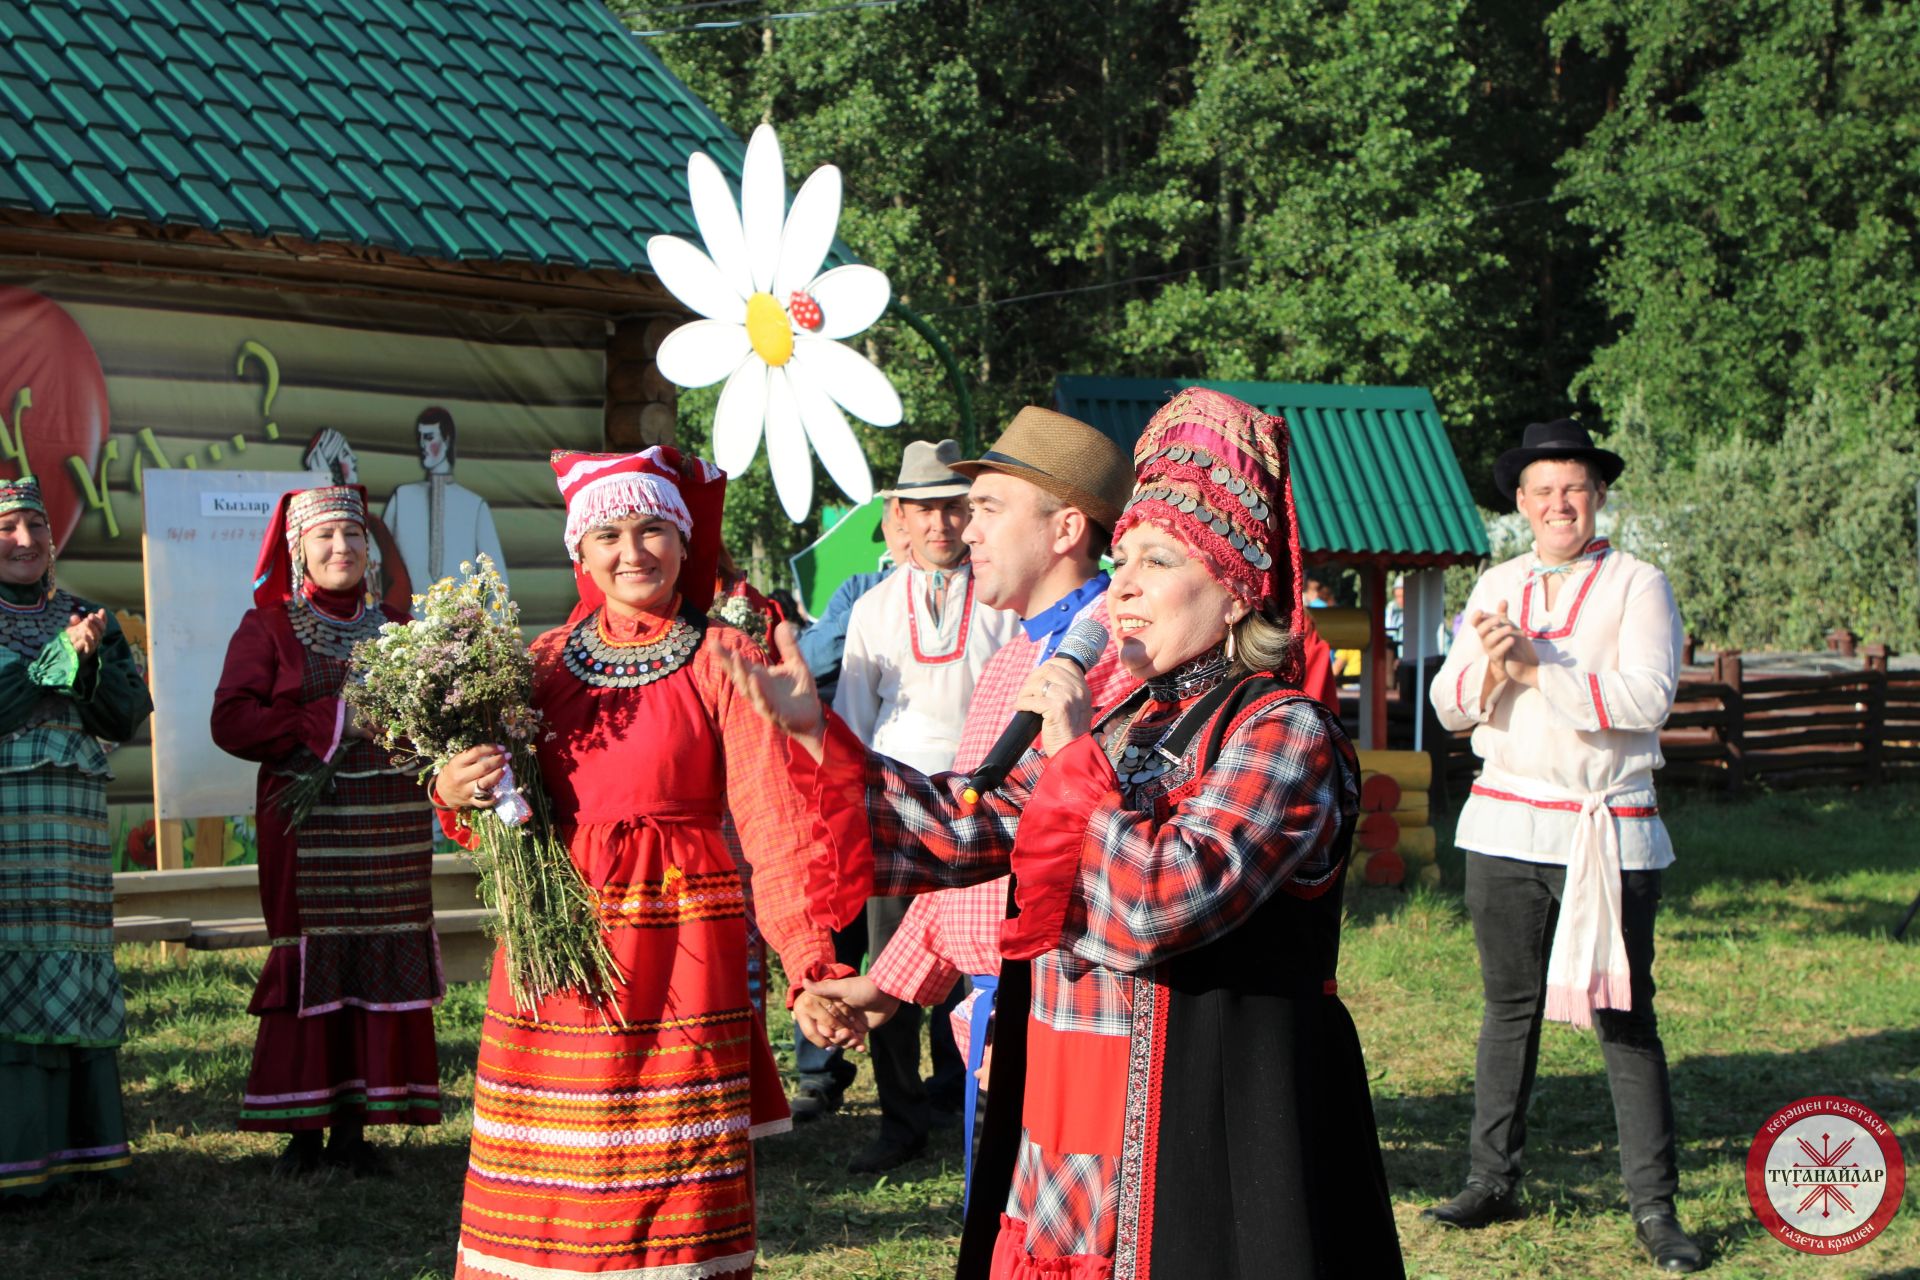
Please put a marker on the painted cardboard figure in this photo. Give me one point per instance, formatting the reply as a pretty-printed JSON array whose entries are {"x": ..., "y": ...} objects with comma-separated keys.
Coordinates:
[
  {"x": 387, "y": 580},
  {"x": 437, "y": 523}
]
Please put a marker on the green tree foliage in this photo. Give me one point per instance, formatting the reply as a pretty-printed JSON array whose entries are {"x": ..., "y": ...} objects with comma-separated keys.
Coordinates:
[
  {"x": 967, "y": 132},
  {"x": 1689, "y": 221},
  {"x": 1774, "y": 542},
  {"x": 1756, "y": 188},
  {"x": 1340, "y": 161}
]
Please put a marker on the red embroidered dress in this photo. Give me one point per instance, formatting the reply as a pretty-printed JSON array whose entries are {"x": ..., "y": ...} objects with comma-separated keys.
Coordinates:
[
  {"x": 623, "y": 1150},
  {"x": 346, "y": 997}
]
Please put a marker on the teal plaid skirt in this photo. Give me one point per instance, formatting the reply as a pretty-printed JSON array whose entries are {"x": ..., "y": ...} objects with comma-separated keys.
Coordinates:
[{"x": 58, "y": 985}]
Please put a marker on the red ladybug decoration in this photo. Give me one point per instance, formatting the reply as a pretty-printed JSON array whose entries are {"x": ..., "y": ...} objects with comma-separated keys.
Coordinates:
[{"x": 805, "y": 311}]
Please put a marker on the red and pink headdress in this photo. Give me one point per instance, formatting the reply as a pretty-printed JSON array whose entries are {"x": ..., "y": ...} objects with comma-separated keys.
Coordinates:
[
  {"x": 1213, "y": 471},
  {"x": 280, "y": 572},
  {"x": 659, "y": 482}
]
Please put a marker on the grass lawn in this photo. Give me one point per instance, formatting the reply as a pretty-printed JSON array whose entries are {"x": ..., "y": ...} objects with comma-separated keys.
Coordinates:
[{"x": 1778, "y": 979}]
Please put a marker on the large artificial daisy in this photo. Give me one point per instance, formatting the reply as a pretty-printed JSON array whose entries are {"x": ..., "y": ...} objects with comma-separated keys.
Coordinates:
[{"x": 772, "y": 320}]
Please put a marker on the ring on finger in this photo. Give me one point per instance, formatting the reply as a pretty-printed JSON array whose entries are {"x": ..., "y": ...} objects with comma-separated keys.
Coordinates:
[{"x": 481, "y": 795}]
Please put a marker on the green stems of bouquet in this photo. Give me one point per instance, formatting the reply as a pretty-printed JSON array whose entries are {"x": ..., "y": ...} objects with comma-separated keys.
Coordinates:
[{"x": 545, "y": 914}]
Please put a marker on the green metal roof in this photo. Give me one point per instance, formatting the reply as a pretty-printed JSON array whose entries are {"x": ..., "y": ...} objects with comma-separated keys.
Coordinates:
[
  {"x": 1373, "y": 474},
  {"x": 529, "y": 130}
]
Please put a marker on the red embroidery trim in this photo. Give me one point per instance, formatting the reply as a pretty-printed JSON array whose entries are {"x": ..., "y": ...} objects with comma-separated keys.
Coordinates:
[
  {"x": 1460, "y": 691},
  {"x": 1599, "y": 548},
  {"x": 1567, "y": 806},
  {"x": 1150, "y": 1152},
  {"x": 1599, "y": 706},
  {"x": 966, "y": 629}
]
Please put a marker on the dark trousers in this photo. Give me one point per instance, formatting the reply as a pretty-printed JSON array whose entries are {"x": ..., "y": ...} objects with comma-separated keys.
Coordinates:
[
  {"x": 906, "y": 1102},
  {"x": 1515, "y": 906}
]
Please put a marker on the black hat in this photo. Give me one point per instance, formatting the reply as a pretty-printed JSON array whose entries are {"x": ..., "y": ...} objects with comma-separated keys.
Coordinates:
[{"x": 1561, "y": 438}]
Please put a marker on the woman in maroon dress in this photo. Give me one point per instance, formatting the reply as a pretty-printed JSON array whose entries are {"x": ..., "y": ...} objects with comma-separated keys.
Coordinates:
[{"x": 346, "y": 999}]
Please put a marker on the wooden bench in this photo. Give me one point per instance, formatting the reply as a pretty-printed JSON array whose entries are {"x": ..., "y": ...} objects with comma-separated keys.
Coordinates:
[
  {"x": 218, "y": 909},
  {"x": 465, "y": 948},
  {"x": 151, "y": 929}
]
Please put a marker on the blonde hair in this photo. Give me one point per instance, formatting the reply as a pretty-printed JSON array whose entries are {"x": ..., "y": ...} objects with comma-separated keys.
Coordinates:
[{"x": 1261, "y": 643}]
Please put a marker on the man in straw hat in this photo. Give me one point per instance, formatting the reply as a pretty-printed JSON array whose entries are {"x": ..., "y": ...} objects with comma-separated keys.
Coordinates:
[
  {"x": 1565, "y": 672},
  {"x": 915, "y": 646},
  {"x": 1042, "y": 509}
]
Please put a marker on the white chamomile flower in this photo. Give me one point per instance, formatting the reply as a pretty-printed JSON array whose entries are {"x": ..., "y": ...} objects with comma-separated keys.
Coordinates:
[{"x": 772, "y": 323}]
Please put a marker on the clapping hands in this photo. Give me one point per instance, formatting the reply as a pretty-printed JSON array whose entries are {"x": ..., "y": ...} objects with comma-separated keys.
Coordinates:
[
  {"x": 1510, "y": 654},
  {"x": 86, "y": 630}
]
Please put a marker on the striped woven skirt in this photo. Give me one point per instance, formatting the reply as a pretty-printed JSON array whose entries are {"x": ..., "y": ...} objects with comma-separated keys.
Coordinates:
[{"x": 624, "y": 1151}]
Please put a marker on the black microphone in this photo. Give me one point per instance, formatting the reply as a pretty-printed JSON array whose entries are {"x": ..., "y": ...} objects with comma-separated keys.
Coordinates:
[{"x": 1081, "y": 646}]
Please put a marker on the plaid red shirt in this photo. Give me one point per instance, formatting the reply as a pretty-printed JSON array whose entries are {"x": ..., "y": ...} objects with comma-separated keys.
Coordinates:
[
  {"x": 1147, "y": 887},
  {"x": 957, "y": 931}
]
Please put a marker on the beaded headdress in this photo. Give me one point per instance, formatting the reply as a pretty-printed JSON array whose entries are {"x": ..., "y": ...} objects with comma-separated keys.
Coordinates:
[
  {"x": 280, "y": 573},
  {"x": 21, "y": 495},
  {"x": 1212, "y": 470}
]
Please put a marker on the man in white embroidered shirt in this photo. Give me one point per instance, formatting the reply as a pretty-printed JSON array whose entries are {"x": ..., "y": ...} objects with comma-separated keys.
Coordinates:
[
  {"x": 1565, "y": 672},
  {"x": 915, "y": 647}
]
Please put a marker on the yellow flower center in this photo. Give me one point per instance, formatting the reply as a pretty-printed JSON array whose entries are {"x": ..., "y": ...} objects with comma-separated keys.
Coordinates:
[{"x": 769, "y": 329}]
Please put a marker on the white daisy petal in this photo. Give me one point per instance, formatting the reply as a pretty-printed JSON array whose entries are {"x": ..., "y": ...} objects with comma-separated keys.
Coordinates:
[
  {"x": 787, "y": 455},
  {"x": 739, "y": 415},
  {"x": 763, "y": 205},
  {"x": 700, "y": 353},
  {"x": 809, "y": 233},
  {"x": 850, "y": 298},
  {"x": 718, "y": 218},
  {"x": 830, "y": 435},
  {"x": 691, "y": 277},
  {"x": 856, "y": 385}
]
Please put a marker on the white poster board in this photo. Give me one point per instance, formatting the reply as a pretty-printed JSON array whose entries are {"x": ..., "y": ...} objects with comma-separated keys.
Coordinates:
[{"x": 203, "y": 531}]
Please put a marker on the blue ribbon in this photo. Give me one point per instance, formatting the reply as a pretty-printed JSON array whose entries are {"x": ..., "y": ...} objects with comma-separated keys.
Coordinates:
[{"x": 989, "y": 984}]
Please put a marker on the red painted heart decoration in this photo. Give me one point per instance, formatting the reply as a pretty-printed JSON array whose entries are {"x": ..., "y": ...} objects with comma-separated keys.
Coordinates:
[{"x": 42, "y": 348}]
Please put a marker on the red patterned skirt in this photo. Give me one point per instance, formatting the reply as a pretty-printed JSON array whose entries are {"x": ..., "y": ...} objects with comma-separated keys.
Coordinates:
[{"x": 625, "y": 1150}]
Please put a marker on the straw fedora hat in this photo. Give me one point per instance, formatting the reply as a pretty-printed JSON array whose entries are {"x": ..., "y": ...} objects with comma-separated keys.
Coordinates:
[
  {"x": 1064, "y": 456},
  {"x": 927, "y": 472}
]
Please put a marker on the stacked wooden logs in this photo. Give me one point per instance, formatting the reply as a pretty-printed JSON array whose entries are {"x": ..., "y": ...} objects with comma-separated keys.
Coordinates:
[{"x": 1394, "y": 844}]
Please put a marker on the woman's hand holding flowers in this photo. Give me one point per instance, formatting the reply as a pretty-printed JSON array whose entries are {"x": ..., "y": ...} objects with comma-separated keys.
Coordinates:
[{"x": 470, "y": 777}]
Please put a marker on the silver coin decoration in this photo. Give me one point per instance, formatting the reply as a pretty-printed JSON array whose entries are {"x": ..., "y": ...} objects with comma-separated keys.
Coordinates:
[
  {"x": 332, "y": 637},
  {"x": 26, "y": 631},
  {"x": 597, "y": 662}
]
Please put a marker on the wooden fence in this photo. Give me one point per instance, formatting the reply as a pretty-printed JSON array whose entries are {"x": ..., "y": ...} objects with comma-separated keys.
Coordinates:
[{"x": 1730, "y": 729}]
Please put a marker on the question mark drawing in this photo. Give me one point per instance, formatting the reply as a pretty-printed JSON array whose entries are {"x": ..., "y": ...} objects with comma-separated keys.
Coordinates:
[{"x": 272, "y": 366}]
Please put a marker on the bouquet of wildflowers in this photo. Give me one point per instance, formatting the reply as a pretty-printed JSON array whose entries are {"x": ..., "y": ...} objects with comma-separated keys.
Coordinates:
[{"x": 457, "y": 677}]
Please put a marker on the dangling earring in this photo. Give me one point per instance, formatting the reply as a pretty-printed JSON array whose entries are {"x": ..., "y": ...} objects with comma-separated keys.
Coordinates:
[
  {"x": 47, "y": 579},
  {"x": 1229, "y": 643}
]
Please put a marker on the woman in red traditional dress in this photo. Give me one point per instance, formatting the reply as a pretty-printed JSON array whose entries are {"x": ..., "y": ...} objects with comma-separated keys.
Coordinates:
[
  {"x": 621, "y": 1147},
  {"x": 346, "y": 999}
]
